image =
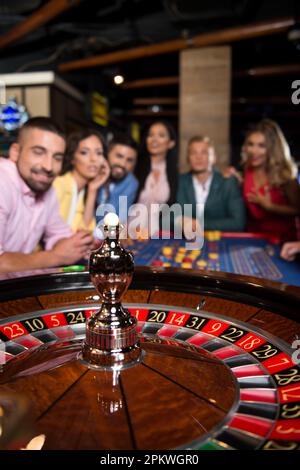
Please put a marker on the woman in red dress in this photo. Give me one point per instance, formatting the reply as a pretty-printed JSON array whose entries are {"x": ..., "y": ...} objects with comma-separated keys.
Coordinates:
[{"x": 270, "y": 186}]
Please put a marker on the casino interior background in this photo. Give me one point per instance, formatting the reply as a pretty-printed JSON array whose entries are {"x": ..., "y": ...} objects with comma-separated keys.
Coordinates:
[
  {"x": 146, "y": 40},
  {"x": 234, "y": 304}
]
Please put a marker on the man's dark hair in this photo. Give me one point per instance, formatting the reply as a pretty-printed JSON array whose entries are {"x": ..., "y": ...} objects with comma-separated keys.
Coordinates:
[
  {"x": 43, "y": 123},
  {"x": 122, "y": 139}
]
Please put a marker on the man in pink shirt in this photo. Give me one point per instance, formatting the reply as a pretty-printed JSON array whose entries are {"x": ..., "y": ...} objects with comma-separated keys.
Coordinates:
[{"x": 28, "y": 206}]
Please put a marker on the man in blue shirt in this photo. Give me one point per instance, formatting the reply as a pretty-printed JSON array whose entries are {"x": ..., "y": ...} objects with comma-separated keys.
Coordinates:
[{"x": 121, "y": 188}]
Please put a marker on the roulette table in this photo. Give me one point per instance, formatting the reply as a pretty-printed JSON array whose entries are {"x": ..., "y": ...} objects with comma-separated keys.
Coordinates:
[
  {"x": 248, "y": 254},
  {"x": 218, "y": 369}
]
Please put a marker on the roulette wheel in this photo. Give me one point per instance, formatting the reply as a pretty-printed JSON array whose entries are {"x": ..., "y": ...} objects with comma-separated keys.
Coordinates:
[{"x": 189, "y": 360}]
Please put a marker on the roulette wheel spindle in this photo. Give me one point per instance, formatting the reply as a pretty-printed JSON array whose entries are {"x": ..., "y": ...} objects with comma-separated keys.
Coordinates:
[{"x": 111, "y": 333}]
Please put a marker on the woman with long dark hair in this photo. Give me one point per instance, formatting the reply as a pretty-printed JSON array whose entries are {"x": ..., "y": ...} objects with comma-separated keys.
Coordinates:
[
  {"x": 157, "y": 170},
  {"x": 85, "y": 171}
]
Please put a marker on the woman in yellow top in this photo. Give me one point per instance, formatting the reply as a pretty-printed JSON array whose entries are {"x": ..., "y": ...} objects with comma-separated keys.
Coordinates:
[{"x": 85, "y": 171}]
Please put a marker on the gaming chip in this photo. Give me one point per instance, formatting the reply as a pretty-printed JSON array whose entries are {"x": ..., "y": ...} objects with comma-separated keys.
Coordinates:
[
  {"x": 213, "y": 255},
  {"x": 167, "y": 250},
  {"x": 210, "y": 236},
  {"x": 187, "y": 265},
  {"x": 157, "y": 263},
  {"x": 217, "y": 235},
  {"x": 202, "y": 263},
  {"x": 181, "y": 249},
  {"x": 73, "y": 268}
]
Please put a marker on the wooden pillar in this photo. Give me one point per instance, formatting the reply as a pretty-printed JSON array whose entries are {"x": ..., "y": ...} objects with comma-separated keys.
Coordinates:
[{"x": 205, "y": 87}]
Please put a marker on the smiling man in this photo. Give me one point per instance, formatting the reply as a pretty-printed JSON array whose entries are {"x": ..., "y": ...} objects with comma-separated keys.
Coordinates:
[
  {"x": 122, "y": 156},
  {"x": 28, "y": 205}
]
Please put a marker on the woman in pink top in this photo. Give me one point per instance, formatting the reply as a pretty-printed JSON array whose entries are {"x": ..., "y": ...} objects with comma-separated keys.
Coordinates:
[
  {"x": 157, "y": 169},
  {"x": 270, "y": 187}
]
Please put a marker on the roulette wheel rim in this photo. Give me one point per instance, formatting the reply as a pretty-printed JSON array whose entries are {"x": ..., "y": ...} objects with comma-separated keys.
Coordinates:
[{"x": 276, "y": 296}]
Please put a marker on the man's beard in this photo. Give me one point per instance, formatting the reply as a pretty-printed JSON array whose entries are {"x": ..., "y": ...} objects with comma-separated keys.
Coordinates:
[
  {"x": 117, "y": 179},
  {"x": 39, "y": 187}
]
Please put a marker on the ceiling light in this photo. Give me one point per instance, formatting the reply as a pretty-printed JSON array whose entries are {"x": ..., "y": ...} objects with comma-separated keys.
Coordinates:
[
  {"x": 118, "y": 79},
  {"x": 155, "y": 108}
]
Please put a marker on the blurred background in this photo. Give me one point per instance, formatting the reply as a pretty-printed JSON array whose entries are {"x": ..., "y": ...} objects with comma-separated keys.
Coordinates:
[{"x": 207, "y": 66}]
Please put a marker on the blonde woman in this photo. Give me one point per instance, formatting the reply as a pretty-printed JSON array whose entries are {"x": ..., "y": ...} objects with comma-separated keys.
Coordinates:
[{"x": 270, "y": 186}]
